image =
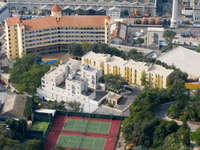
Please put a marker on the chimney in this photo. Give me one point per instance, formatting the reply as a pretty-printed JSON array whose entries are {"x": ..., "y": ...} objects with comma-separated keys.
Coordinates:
[{"x": 174, "y": 19}]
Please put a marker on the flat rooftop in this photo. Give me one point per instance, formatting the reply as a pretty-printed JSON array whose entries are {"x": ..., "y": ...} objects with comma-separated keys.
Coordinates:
[
  {"x": 2, "y": 4},
  {"x": 99, "y": 95},
  {"x": 185, "y": 59}
]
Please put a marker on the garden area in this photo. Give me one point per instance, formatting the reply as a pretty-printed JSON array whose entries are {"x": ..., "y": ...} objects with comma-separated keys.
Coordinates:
[{"x": 40, "y": 126}]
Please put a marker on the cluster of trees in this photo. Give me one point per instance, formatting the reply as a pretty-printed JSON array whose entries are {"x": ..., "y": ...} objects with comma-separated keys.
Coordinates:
[
  {"x": 26, "y": 73},
  {"x": 13, "y": 139},
  {"x": 138, "y": 56},
  {"x": 17, "y": 128},
  {"x": 169, "y": 36},
  {"x": 139, "y": 41},
  {"x": 112, "y": 82},
  {"x": 7, "y": 140},
  {"x": 187, "y": 105},
  {"x": 195, "y": 136},
  {"x": 81, "y": 49},
  {"x": 198, "y": 49},
  {"x": 143, "y": 128},
  {"x": 186, "y": 108}
]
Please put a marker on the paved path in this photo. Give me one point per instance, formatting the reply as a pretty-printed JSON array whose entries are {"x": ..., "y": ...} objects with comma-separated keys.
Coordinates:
[
  {"x": 145, "y": 51},
  {"x": 161, "y": 112}
]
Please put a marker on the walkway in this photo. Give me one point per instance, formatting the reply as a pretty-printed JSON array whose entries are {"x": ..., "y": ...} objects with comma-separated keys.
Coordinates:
[{"x": 161, "y": 112}]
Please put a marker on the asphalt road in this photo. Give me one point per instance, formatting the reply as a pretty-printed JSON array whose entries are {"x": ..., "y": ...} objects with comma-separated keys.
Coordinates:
[{"x": 161, "y": 112}]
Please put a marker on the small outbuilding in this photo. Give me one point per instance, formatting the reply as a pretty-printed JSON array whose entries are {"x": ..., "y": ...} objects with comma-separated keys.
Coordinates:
[{"x": 114, "y": 98}]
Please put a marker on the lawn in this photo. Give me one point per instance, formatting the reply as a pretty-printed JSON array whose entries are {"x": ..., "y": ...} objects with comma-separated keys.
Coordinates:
[
  {"x": 40, "y": 126},
  {"x": 81, "y": 142},
  {"x": 87, "y": 126}
]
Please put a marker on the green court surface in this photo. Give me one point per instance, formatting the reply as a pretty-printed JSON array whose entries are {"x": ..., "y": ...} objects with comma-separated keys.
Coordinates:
[
  {"x": 40, "y": 126},
  {"x": 87, "y": 126},
  {"x": 81, "y": 142}
]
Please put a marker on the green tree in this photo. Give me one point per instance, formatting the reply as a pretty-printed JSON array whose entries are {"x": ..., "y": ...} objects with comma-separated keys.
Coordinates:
[
  {"x": 195, "y": 136},
  {"x": 135, "y": 55},
  {"x": 75, "y": 49},
  {"x": 178, "y": 91},
  {"x": 34, "y": 145},
  {"x": 198, "y": 48},
  {"x": 175, "y": 75},
  {"x": 26, "y": 73},
  {"x": 54, "y": 105},
  {"x": 184, "y": 135},
  {"x": 172, "y": 142},
  {"x": 18, "y": 128},
  {"x": 139, "y": 41},
  {"x": 75, "y": 106},
  {"x": 169, "y": 36},
  {"x": 113, "y": 82},
  {"x": 28, "y": 110},
  {"x": 173, "y": 111},
  {"x": 144, "y": 81}
]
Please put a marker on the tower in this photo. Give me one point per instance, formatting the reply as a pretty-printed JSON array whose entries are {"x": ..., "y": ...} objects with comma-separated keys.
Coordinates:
[
  {"x": 174, "y": 19},
  {"x": 56, "y": 11}
]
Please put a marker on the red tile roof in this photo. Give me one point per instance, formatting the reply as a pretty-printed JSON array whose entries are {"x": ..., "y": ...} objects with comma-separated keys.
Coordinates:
[
  {"x": 56, "y": 8},
  {"x": 65, "y": 21},
  {"x": 11, "y": 21}
]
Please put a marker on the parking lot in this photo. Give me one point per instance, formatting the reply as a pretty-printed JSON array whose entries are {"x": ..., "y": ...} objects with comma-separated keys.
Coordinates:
[{"x": 128, "y": 98}]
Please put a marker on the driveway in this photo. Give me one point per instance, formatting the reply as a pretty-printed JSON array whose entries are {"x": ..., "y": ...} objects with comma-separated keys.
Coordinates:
[{"x": 161, "y": 112}]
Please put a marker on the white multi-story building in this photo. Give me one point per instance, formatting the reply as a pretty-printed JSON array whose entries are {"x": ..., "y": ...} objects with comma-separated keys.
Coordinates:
[
  {"x": 196, "y": 16},
  {"x": 71, "y": 81},
  {"x": 114, "y": 12},
  {"x": 4, "y": 12},
  {"x": 91, "y": 75},
  {"x": 118, "y": 33}
]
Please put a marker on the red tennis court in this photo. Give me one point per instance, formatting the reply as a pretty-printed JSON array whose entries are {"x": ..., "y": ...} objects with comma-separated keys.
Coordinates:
[{"x": 58, "y": 128}]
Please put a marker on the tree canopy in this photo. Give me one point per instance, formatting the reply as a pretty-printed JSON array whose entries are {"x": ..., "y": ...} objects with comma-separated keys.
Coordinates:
[
  {"x": 143, "y": 128},
  {"x": 169, "y": 36},
  {"x": 7, "y": 142},
  {"x": 195, "y": 136},
  {"x": 26, "y": 73},
  {"x": 113, "y": 82},
  {"x": 139, "y": 41},
  {"x": 34, "y": 145},
  {"x": 18, "y": 128},
  {"x": 198, "y": 48}
]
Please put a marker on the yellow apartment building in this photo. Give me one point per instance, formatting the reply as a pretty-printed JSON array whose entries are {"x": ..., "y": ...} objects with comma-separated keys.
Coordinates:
[
  {"x": 51, "y": 34},
  {"x": 132, "y": 71}
]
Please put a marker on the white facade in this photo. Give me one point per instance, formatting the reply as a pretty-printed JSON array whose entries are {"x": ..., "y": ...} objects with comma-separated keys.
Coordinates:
[
  {"x": 114, "y": 12},
  {"x": 154, "y": 36},
  {"x": 174, "y": 19},
  {"x": 4, "y": 12},
  {"x": 118, "y": 33},
  {"x": 91, "y": 75},
  {"x": 187, "y": 11},
  {"x": 196, "y": 16},
  {"x": 70, "y": 81}
]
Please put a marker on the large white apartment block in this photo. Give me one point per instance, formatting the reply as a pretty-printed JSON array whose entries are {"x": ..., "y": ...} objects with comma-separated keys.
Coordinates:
[
  {"x": 71, "y": 81},
  {"x": 91, "y": 75},
  {"x": 130, "y": 70}
]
